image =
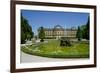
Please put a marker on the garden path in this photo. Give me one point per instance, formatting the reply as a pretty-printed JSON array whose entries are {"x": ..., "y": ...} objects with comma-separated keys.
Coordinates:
[{"x": 26, "y": 58}]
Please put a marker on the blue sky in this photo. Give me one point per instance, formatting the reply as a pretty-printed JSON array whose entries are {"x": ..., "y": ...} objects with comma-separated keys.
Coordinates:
[{"x": 48, "y": 19}]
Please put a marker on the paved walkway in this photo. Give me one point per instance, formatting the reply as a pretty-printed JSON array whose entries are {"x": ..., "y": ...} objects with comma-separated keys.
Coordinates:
[{"x": 26, "y": 58}]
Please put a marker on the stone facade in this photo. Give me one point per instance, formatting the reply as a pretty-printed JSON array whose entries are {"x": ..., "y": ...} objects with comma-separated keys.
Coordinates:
[{"x": 59, "y": 31}]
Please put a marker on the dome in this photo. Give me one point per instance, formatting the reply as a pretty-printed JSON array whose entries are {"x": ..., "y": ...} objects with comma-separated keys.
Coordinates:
[{"x": 58, "y": 27}]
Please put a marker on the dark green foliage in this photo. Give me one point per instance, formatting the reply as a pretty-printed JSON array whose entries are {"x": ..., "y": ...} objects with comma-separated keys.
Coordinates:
[
  {"x": 79, "y": 34},
  {"x": 41, "y": 34},
  {"x": 65, "y": 41},
  {"x": 85, "y": 30},
  {"x": 26, "y": 30}
]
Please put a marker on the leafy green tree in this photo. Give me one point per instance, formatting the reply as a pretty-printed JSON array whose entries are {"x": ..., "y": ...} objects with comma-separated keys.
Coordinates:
[
  {"x": 41, "y": 34},
  {"x": 79, "y": 34},
  {"x": 85, "y": 30},
  {"x": 26, "y": 30}
]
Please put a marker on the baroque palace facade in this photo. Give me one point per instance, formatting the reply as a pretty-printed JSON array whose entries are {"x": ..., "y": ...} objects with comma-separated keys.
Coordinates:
[{"x": 58, "y": 32}]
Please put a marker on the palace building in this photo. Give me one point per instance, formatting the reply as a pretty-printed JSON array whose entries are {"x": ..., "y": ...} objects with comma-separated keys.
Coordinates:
[{"x": 58, "y": 32}]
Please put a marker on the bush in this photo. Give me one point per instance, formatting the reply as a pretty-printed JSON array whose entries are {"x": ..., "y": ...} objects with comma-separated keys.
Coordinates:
[{"x": 42, "y": 40}]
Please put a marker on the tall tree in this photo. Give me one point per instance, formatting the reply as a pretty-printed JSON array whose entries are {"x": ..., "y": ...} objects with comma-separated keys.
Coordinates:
[
  {"x": 79, "y": 34},
  {"x": 85, "y": 30},
  {"x": 41, "y": 34},
  {"x": 26, "y": 30}
]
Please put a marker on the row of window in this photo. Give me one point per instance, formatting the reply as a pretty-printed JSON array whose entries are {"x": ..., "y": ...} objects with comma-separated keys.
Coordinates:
[
  {"x": 56, "y": 32},
  {"x": 60, "y": 33}
]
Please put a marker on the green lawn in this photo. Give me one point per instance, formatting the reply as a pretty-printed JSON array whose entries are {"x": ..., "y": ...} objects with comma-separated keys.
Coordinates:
[{"x": 54, "y": 50}]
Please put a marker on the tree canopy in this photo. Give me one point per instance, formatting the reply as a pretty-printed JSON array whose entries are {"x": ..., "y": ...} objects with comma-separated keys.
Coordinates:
[
  {"x": 41, "y": 34},
  {"x": 84, "y": 29},
  {"x": 26, "y": 30},
  {"x": 79, "y": 34}
]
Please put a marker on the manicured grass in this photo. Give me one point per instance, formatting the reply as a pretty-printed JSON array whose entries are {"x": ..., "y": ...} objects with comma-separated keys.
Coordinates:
[{"x": 54, "y": 50}]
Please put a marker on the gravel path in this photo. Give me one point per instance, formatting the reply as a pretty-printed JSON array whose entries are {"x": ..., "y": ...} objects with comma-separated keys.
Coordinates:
[{"x": 26, "y": 58}]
